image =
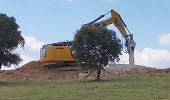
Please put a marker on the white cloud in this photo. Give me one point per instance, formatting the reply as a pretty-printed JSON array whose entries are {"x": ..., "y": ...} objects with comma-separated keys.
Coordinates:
[
  {"x": 32, "y": 44},
  {"x": 30, "y": 52},
  {"x": 158, "y": 58},
  {"x": 164, "y": 39}
]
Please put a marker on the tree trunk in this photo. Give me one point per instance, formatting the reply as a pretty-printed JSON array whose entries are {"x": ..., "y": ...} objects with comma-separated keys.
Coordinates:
[
  {"x": 0, "y": 66},
  {"x": 98, "y": 74}
]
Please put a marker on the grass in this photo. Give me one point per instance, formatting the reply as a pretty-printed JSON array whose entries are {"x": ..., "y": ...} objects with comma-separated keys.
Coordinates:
[{"x": 119, "y": 88}]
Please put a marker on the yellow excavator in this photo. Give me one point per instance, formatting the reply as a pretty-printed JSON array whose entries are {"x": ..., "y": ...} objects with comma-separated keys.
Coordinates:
[
  {"x": 57, "y": 52},
  {"x": 61, "y": 51}
]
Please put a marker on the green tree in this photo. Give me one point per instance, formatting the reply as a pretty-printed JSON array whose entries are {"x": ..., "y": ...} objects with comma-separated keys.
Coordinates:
[
  {"x": 95, "y": 47},
  {"x": 10, "y": 39}
]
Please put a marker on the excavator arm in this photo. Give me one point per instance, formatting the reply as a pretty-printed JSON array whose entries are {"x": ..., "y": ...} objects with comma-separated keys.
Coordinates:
[
  {"x": 121, "y": 26},
  {"x": 116, "y": 19}
]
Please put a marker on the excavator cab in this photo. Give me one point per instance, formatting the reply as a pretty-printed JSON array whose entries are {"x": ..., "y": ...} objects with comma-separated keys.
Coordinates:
[{"x": 57, "y": 52}]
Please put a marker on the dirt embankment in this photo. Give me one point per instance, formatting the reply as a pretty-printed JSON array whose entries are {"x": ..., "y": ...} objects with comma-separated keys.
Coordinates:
[{"x": 36, "y": 70}]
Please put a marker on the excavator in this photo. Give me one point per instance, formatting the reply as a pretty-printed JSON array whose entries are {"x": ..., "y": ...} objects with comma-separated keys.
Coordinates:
[{"x": 61, "y": 51}]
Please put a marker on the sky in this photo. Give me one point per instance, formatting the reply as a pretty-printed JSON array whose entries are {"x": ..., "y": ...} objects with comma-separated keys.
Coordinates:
[{"x": 50, "y": 21}]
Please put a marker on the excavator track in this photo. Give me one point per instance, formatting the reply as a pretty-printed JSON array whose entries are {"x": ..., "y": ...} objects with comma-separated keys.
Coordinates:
[{"x": 63, "y": 66}]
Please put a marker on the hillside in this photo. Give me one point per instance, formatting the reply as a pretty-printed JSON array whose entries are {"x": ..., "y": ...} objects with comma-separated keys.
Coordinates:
[{"x": 137, "y": 87}]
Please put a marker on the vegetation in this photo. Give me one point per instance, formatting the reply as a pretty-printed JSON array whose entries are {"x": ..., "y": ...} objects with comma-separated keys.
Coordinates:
[
  {"x": 10, "y": 38},
  {"x": 119, "y": 88},
  {"x": 95, "y": 47}
]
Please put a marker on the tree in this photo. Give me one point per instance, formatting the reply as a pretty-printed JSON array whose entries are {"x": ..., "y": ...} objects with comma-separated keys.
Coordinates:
[
  {"x": 10, "y": 39},
  {"x": 95, "y": 47}
]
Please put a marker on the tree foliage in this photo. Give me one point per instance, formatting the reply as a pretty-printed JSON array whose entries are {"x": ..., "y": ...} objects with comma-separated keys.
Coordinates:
[
  {"x": 95, "y": 47},
  {"x": 10, "y": 39}
]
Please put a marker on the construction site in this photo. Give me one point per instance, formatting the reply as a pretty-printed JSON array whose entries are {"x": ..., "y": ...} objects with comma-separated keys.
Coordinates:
[
  {"x": 57, "y": 60},
  {"x": 84, "y": 50}
]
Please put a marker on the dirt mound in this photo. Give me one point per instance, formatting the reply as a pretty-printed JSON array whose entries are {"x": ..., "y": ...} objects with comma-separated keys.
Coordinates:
[
  {"x": 37, "y": 70},
  {"x": 149, "y": 70}
]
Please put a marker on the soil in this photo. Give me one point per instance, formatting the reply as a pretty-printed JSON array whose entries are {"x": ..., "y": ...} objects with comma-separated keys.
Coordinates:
[{"x": 36, "y": 70}]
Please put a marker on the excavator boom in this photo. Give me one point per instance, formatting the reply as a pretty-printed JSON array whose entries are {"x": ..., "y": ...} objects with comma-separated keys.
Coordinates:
[{"x": 121, "y": 26}]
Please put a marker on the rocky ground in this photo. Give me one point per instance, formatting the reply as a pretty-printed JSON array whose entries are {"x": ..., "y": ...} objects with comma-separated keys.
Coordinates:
[{"x": 37, "y": 71}]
